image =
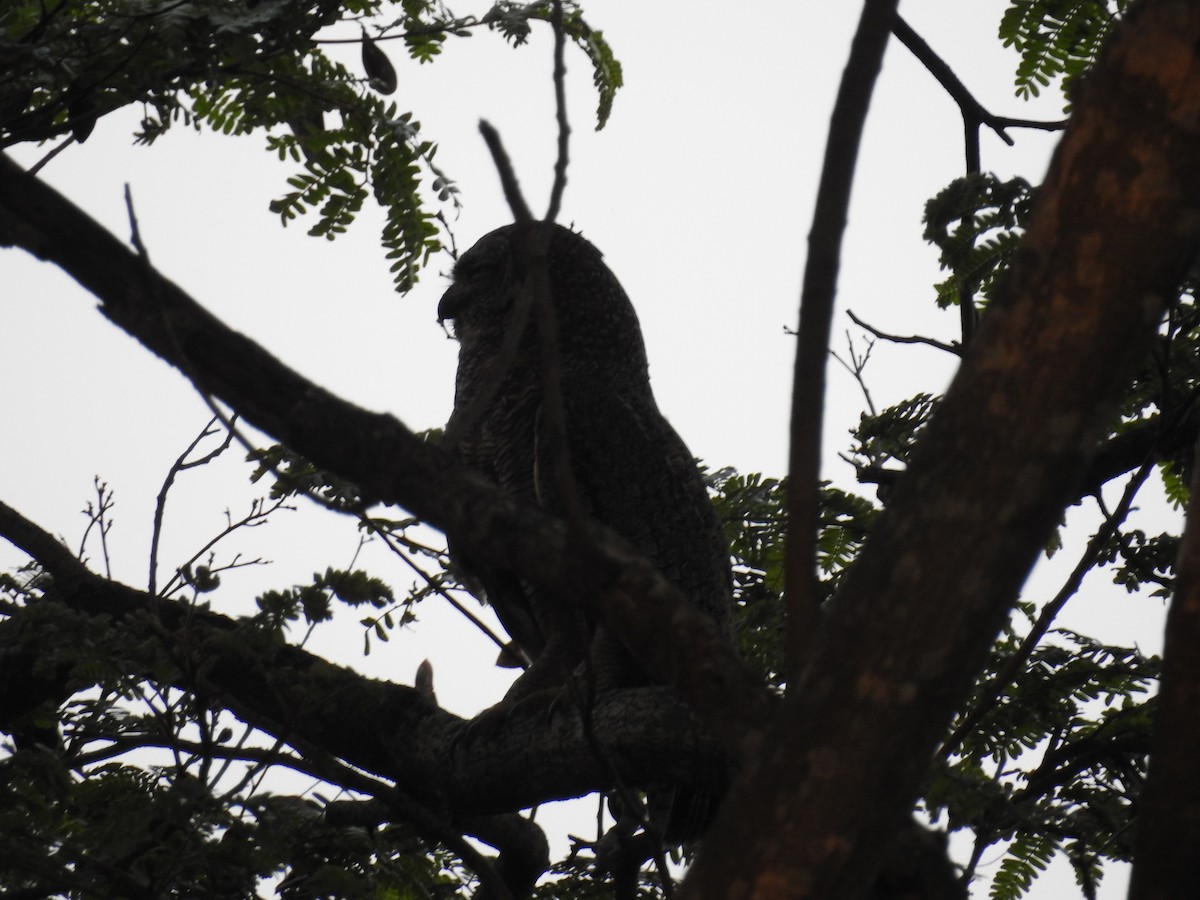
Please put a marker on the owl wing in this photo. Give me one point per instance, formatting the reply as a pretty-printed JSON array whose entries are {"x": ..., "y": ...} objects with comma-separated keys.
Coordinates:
[
  {"x": 634, "y": 474},
  {"x": 501, "y": 447}
]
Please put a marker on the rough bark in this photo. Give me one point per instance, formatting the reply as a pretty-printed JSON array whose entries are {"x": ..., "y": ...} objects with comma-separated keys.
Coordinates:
[
  {"x": 1116, "y": 226},
  {"x": 1169, "y": 811}
]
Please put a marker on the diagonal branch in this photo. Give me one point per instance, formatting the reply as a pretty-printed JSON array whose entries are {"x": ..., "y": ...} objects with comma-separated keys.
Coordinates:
[
  {"x": 972, "y": 110},
  {"x": 816, "y": 318}
]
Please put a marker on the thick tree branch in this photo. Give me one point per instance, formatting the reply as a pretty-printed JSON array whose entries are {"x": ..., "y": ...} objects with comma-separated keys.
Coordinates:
[
  {"x": 386, "y": 460},
  {"x": 1113, "y": 232},
  {"x": 388, "y": 729},
  {"x": 1169, "y": 812}
]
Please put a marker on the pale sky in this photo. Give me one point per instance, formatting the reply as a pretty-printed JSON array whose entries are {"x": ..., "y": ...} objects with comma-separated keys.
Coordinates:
[{"x": 699, "y": 193}]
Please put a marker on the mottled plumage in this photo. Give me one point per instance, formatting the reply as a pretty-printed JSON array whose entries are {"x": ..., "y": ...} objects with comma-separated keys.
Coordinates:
[{"x": 632, "y": 472}]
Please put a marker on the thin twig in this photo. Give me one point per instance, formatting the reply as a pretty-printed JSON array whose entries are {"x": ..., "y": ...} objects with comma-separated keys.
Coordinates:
[
  {"x": 974, "y": 115},
  {"x": 966, "y": 101},
  {"x": 40, "y": 164},
  {"x": 855, "y": 367},
  {"x": 560, "y": 106},
  {"x": 258, "y": 513},
  {"x": 181, "y": 464},
  {"x": 816, "y": 317},
  {"x": 956, "y": 349},
  {"x": 390, "y": 542},
  {"x": 135, "y": 233}
]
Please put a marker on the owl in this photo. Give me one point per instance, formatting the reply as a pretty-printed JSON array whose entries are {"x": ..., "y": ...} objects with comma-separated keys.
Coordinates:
[{"x": 630, "y": 470}]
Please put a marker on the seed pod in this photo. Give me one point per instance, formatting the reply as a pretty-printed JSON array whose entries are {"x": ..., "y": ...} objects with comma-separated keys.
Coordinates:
[
  {"x": 81, "y": 117},
  {"x": 378, "y": 67}
]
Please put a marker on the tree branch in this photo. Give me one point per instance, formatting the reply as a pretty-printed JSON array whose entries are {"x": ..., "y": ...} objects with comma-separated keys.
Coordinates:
[
  {"x": 390, "y": 730},
  {"x": 911, "y": 339},
  {"x": 972, "y": 110},
  {"x": 560, "y": 112},
  {"x": 816, "y": 317},
  {"x": 1167, "y": 815},
  {"x": 1154, "y": 440}
]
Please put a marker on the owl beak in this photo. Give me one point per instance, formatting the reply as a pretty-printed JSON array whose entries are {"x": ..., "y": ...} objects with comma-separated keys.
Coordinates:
[{"x": 457, "y": 296}]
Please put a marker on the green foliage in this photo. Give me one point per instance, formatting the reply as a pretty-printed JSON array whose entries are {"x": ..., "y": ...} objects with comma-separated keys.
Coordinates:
[
  {"x": 752, "y": 510},
  {"x": 1175, "y": 484},
  {"x": 1057, "y": 39},
  {"x": 512, "y": 20},
  {"x": 314, "y": 601},
  {"x": 1027, "y": 857},
  {"x": 891, "y": 434},
  {"x": 1056, "y": 763},
  {"x": 976, "y": 222},
  {"x": 296, "y": 476},
  {"x": 576, "y": 878},
  {"x": 1142, "y": 561},
  {"x": 246, "y": 67}
]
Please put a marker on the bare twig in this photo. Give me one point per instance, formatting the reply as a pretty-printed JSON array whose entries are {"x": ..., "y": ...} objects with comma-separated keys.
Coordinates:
[
  {"x": 816, "y": 317},
  {"x": 181, "y": 464},
  {"x": 956, "y": 349},
  {"x": 259, "y": 511},
  {"x": 560, "y": 106},
  {"x": 135, "y": 233},
  {"x": 856, "y": 366},
  {"x": 98, "y": 519},
  {"x": 971, "y": 108},
  {"x": 41, "y": 163},
  {"x": 392, "y": 544}
]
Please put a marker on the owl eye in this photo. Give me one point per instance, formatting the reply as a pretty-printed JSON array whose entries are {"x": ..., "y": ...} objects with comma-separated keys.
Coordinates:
[{"x": 478, "y": 271}]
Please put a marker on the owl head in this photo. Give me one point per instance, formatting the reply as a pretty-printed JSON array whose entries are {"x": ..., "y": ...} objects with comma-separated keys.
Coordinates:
[{"x": 597, "y": 329}]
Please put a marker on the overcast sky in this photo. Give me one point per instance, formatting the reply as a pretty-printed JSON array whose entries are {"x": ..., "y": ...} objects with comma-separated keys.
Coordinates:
[{"x": 699, "y": 193}]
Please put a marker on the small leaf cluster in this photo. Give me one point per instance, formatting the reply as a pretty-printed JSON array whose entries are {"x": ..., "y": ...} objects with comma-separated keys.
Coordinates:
[
  {"x": 891, "y": 434},
  {"x": 315, "y": 600},
  {"x": 1140, "y": 561},
  {"x": 1057, "y": 39},
  {"x": 976, "y": 222},
  {"x": 294, "y": 475}
]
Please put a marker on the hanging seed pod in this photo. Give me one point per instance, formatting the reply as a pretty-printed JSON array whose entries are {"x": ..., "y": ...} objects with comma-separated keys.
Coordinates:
[
  {"x": 379, "y": 68},
  {"x": 81, "y": 117}
]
